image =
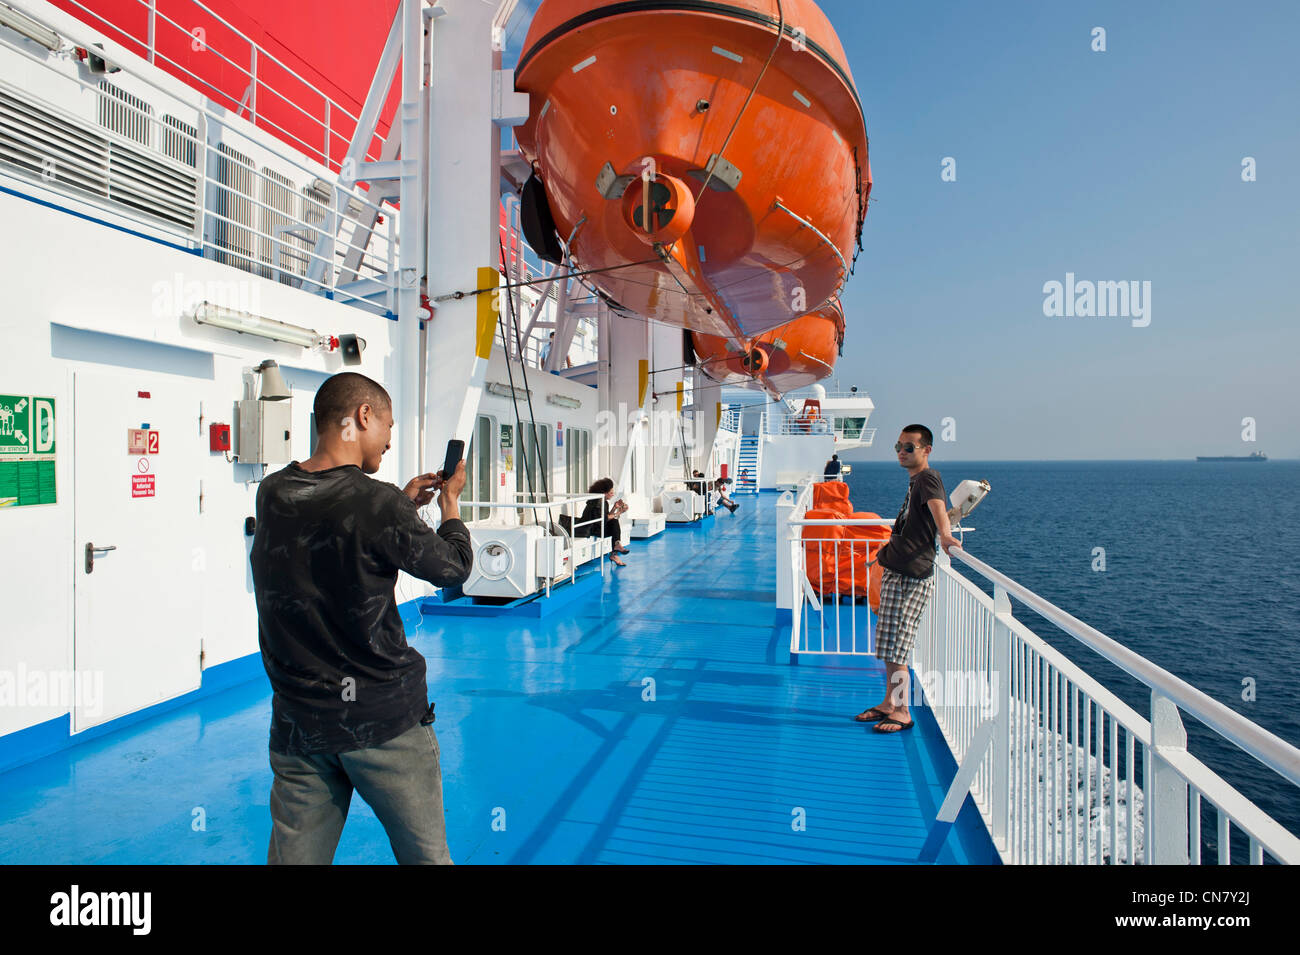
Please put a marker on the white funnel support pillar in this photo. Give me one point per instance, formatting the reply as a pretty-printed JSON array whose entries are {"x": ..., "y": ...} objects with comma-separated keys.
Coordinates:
[{"x": 624, "y": 386}]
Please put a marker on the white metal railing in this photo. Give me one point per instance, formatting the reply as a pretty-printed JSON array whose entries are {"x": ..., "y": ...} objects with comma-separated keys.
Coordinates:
[
  {"x": 1061, "y": 769},
  {"x": 250, "y": 61},
  {"x": 793, "y": 424},
  {"x": 264, "y": 218},
  {"x": 831, "y": 611},
  {"x": 730, "y": 420}
]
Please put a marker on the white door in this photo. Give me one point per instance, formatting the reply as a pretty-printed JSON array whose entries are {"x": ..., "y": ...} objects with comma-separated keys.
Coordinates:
[{"x": 136, "y": 633}]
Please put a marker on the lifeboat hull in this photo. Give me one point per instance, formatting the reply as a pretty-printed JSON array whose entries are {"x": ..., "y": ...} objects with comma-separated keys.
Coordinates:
[
  {"x": 625, "y": 96},
  {"x": 792, "y": 356}
]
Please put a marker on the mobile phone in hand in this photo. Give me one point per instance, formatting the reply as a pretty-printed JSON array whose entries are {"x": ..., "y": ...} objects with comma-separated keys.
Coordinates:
[{"x": 455, "y": 451}]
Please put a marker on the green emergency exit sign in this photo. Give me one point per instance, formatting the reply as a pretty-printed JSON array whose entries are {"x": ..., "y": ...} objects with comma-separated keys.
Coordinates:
[{"x": 27, "y": 449}]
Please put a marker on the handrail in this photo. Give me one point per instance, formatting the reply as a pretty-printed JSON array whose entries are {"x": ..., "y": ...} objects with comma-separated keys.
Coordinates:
[
  {"x": 149, "y": 43},
  {"x": 1271, "y": 750},
  {"x": 334, "y": 214},
  {"x": 820, "y": 234},
  {"x": 846, "y": 522}
]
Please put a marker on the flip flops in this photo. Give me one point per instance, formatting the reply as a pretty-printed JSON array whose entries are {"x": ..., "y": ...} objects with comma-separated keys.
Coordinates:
[
  {"x": 890, "y": 721},
  {"x": 870, "y": 716}
]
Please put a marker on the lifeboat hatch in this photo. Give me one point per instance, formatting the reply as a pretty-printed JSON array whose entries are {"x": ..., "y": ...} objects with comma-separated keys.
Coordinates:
[{"x": 726, "y": 177}]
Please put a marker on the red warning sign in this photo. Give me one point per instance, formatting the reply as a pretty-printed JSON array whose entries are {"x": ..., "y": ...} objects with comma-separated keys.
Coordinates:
[{"x": 142, "y": 485}]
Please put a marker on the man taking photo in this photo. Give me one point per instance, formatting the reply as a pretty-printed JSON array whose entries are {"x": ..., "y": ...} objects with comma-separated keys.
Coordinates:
[{"x": 350, "y": 707}]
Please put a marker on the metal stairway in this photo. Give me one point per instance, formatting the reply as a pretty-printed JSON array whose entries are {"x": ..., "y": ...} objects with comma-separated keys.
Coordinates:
[{"x": 748, "y": 460}]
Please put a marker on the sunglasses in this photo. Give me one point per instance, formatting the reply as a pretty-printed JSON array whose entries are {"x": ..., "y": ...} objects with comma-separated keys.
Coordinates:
[{"x": 909, "y": 447}]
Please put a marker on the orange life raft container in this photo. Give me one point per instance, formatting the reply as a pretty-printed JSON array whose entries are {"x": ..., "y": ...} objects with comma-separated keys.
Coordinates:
[
  {"x": 836, "y": 557},
  {"x": 725, "y": 191}
]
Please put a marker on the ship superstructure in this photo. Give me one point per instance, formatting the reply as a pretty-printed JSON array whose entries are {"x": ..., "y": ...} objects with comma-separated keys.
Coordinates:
[{"x": 189, "y": 258}]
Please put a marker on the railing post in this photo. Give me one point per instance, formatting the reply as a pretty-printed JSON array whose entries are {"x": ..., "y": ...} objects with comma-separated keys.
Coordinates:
[
  {"x": 940, "y": 643},
  {"x": 1000, "y": 693},
  {"x": 1166, "y": 791},
  {"x": 795, "y": 579},
  {"x": 784, "y": 554},
  {"x": 326, "y": 163},
  {"x": 153, "y": 21},
  {"x": 252, "y": 84}
]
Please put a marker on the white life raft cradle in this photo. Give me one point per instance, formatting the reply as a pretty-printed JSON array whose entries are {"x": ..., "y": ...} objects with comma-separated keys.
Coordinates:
[
  {"x": 521, "y": 560},
  {"x": 682, "y": 507}
]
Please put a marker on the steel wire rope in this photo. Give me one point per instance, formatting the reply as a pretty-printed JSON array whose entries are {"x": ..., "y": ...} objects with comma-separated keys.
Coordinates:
[{"x": 523, "y": 368}]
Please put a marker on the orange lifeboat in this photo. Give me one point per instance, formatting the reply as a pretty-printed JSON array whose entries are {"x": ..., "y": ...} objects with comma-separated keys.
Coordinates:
[
  {"x": 792, "y": 356},
  {"x": 711, "y": 155}
]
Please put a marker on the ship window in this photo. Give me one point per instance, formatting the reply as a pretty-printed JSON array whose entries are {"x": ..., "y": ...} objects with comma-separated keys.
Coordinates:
[
  {"x": 533, "y": 460},
  {"x": 478, "y": 468},
  {"x": 577, "y": 461},
  {"x": 851, "y": 428}
]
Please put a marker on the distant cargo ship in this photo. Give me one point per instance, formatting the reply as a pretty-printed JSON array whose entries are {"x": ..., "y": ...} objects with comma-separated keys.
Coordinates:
[{"x": 1257, "y": 456}]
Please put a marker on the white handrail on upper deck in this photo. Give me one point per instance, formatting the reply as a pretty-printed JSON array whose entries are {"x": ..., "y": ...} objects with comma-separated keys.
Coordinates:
[{"x": 250, "y": 236}]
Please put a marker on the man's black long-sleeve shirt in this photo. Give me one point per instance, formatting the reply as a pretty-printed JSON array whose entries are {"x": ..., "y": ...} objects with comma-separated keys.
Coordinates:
[{"x": 326, "y": 552}]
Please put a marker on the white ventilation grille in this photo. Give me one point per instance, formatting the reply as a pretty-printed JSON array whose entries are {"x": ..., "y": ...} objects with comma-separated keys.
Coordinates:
[
  {"x": 126, "y": 114},
  {"x": 315, "y": 213},
  {"x": 282, "y": 230},
  {"x": 180, "y": 141},
  {"x": 50, "y": 149},
  {"x": 234, "y": 224},
  {"x": 72, "y": 156}
]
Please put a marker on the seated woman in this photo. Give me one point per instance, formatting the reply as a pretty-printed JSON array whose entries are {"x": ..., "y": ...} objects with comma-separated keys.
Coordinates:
[
  {"x": 723, "y": 501},
  {"x": 592, "y": 512}
]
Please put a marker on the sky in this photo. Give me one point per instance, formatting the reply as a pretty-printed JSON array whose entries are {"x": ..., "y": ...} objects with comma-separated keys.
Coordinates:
[{"x": 1122, "y": 165}]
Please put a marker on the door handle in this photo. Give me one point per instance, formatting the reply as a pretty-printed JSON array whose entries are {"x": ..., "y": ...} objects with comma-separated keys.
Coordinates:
[{"x": 90, "y": 554}]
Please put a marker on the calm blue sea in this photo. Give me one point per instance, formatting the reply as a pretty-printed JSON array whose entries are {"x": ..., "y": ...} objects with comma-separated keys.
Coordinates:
[{"x": 1202, "y": 577}]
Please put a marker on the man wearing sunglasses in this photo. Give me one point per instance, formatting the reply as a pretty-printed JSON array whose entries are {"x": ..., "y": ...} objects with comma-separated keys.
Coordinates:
[{"x": 907, "y": 574}]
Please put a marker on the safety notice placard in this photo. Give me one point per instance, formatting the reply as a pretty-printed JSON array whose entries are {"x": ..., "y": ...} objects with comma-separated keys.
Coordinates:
[
  {"x": 27, "y": 449},
  {"x": 142, "y": 485}
]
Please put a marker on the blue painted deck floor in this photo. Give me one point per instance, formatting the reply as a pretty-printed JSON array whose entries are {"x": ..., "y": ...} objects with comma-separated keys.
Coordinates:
[{"x": 551, "y": 752}]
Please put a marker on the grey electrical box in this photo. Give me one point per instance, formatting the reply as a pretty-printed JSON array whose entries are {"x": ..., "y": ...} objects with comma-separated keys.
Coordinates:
[{"x": 264, "y": 432}]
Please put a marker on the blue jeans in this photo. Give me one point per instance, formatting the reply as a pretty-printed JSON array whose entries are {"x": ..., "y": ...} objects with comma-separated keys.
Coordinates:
[{"x": 400, "y": 779}]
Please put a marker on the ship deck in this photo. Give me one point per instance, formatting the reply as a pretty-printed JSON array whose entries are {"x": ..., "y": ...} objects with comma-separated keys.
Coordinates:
[{"x": 545, "y": 733}]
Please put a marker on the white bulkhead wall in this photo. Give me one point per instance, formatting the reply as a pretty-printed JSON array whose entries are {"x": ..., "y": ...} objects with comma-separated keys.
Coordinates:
[{"x": 82, "y": 297}]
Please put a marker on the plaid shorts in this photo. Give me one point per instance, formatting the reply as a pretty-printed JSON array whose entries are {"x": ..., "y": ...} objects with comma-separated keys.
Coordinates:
[{"x": 902, "y": 601}]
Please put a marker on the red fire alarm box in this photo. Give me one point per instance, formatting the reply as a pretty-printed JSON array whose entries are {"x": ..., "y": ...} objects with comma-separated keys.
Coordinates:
[{"x": 219, "y": 437}]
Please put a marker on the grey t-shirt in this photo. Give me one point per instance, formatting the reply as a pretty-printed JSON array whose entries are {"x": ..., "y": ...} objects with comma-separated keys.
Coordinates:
[
  {"x": 325, "y": 557},
  {"x": 910, "y": 549}
]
